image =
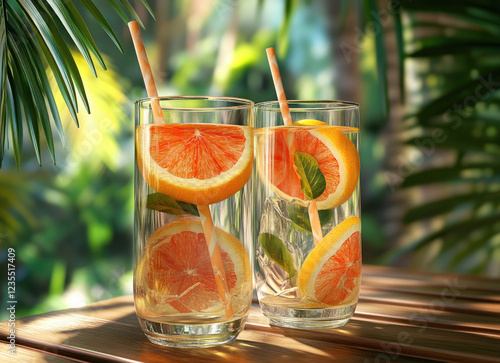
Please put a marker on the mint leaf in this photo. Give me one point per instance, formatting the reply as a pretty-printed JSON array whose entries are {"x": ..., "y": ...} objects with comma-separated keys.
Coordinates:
[
  {"x": 276, "y": 250},
  {"x": 325, "y": 215},
  {"x": 300, "y": 216},
  {"x": 164, "y": 203},
  {"x": 312, "y": 180}
]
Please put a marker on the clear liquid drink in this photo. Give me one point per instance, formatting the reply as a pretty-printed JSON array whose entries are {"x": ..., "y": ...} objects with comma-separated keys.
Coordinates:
[
  {"x": 192, "y": 274},
  {"x": 307, "y": 231}
]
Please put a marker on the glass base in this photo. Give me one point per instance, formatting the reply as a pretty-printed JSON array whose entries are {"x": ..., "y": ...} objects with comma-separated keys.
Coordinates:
[
  {"x": 192, "y": 335},
  {"x": 300, "y": 318}
]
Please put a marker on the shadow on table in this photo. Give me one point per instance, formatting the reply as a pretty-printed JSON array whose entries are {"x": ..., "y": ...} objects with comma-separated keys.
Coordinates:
[{"x": 124, "y": 339}]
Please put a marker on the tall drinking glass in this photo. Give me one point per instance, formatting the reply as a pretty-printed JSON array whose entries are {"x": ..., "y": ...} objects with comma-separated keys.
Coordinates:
[
  {"x": 306, "y": 213},
  {"x": 192, "y": 276}
]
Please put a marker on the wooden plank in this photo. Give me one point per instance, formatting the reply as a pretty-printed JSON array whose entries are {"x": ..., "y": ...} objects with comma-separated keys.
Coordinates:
[
  {"x": 27, "y": 355},
  {"x": 106, "y": 341},
  {"x": 405, "y": 277},
  {"x": 395, "y": 341},
  {"x": 423, "y": 315},
  {"x": 434, "y": 291},
  {"x": 445, "y": 320},
  {"x": 433, "y": 303},
  {"x": 401, "y": 315},
  {"x": 414, "y": 315},
  {"x": 459, "y": 287},
  {"x": 109, "y": 331}
]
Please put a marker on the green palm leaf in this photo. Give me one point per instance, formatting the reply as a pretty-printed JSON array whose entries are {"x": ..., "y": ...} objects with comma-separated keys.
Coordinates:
[
  {"x": 432, "y": 47},
  {"x": 455, "y": 230},
  {"x": 398, "y": 30},
  {"x": 16, "y": 125},
  {"x": 3, "y": 78},
  {"x": 485, "y": 172},
  {"x": 465, "y": 112},
  {"x": 33, "y": 45},
  {"x": 467, "y": 250},
  {"x": 448, "y": 205},
  {"x": 371, "y": 9},
  {"x": 457, "y": 93},
  {"x": 69, "y": 17}
]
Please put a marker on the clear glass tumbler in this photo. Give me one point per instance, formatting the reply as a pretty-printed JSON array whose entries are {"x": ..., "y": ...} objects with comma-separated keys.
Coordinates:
[
  {"x": 192, "y": 275},
  {"x": 307, "y": 231}
]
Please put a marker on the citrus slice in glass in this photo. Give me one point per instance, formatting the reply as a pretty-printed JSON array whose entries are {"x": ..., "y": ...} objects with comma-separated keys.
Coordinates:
[
  {"x": 335, "y": 153},
  {"x": 309, "y": 122},
  {"x": 195, "y": 163},
  {"x": 331, "y": 273},
  {"x": 174, "y": 274}
]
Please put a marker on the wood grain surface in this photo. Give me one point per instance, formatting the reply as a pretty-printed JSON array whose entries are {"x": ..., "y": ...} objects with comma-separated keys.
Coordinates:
[
  {"x": 401, "y": 317},
  {"x": 28, "y": 355}
]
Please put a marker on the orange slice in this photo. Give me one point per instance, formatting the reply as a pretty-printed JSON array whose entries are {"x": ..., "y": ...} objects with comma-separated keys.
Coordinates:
[
  {"x": 331, "y": 273},
  {"x": 175, "y": 273},
  {"x": 195, "y": 163},
  {"x": 309, "y": 122},
  {"x": 336, "y": 155}
]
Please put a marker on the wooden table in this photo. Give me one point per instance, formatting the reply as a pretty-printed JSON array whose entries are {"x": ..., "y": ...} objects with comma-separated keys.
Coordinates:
[{"x": 401, "y": 317}]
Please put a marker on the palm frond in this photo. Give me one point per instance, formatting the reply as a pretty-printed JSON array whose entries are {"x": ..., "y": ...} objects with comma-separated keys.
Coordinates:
[
  {"x": 465, "y": 114},
  {"x": 33, "y": 47},
  {"x": 455, "y": 230},
  {"x": 371, "y": 9},
  {"x": 109, "y": 104},
  {"x": 484, "y": 172},
  {"x": 3, "y": 78},
  {"x": 450, "y": 204},
  {"x": 398, "y": 30}
]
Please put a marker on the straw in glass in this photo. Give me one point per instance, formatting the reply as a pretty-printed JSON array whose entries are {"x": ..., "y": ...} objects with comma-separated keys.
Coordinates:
[
  {"x": 205, "y": 215},
  {"x": 287, "y": 119}
]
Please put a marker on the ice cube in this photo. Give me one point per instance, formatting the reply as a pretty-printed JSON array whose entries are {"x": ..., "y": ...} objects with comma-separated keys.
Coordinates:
[
  {"x": 283, "y": 220},
  {"x": 275, "y": 218}
]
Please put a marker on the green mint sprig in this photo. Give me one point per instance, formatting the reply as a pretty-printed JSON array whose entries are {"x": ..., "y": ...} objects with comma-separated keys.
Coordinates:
[
  {"x": 276, "y": 250},
  {"x": 163, "y": 203},
  {"x": 312, "y": 180}
]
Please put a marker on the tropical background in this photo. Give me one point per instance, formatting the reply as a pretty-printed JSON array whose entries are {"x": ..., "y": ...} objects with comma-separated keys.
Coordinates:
[{"x": 426, "y": 74}]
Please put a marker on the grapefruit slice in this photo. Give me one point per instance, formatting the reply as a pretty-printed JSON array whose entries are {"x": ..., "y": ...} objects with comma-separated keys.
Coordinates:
[
  {"x": 336, "y": 155},
  {"x": 175, "y": 272},
  {"x": 195, "y": 163},
  {"x": 331, "y": 273},
  {"x": 309, "y": 122}
]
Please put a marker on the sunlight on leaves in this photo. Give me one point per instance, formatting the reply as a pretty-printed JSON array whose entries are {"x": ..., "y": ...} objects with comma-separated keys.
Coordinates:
[{"x": 95, "y": 142}]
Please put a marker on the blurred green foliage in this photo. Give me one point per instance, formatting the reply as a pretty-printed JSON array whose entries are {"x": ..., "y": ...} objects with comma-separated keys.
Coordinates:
[
  {"x": 35, "y": 41},
  {"x": 75, "y": 243},
  {"x": 71, "y": 224},
  {"x": 453, "y": 131}
]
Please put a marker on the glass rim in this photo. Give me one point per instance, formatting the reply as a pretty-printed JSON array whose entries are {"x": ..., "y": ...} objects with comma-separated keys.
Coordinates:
[
  {"x": 335, "y": 105},
  {"x": 239, "y": 103}
]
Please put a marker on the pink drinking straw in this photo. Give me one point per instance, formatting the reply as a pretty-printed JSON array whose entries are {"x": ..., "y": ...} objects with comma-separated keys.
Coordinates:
[
  {"x": 205, "y": 216},
  {"x": 278, "y": 86},
  {"x": 216, "y": 258},
  {"x": 287, "y": 119},
  {"x": 147, "y": 75}
]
